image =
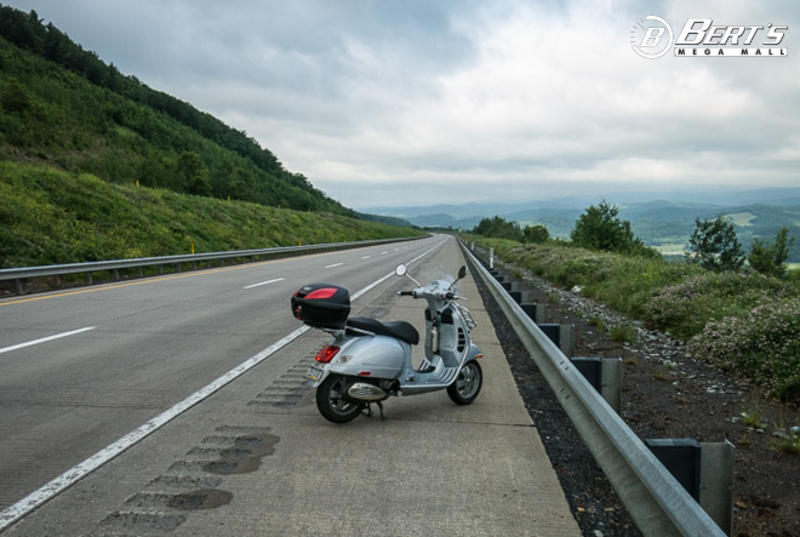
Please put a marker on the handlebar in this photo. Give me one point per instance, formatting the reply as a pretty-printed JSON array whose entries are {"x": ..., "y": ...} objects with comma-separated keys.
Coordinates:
[{"x": 405, "y": 293}]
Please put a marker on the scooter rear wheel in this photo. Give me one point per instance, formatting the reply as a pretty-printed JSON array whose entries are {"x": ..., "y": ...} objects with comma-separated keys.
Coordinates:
[
  {"x": 332, "y": 402},
  {"x": 467, "y": 385}
]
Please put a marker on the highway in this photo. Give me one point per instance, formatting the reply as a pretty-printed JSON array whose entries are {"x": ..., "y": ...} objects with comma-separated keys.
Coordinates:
[
  {"x": 126, "y": 354},
  {"x": 148, "y": 344}
]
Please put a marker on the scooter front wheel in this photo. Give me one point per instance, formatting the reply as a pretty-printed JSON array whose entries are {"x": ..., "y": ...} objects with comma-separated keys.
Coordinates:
[
  {"x": 467, "y": 385},
  {"x": 332, "y": 402}
]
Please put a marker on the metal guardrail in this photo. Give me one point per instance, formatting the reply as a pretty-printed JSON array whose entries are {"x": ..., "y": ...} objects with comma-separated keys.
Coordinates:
[
  {"x": 22, "y": 273},
  {"x": 658, "y": 504}
]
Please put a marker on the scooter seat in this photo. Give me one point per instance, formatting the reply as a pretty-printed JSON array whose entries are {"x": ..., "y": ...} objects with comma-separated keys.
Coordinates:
[{"x": 397, "y": 329}]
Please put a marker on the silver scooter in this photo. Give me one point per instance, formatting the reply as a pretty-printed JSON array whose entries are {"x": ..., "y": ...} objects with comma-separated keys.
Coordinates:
[{"x": 368, "y": 361}]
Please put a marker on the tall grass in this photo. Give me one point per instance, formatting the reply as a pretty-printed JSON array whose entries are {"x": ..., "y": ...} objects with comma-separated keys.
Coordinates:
[
  {"x": 742, "y": 321},
  {"x": 48, "y": 216}
]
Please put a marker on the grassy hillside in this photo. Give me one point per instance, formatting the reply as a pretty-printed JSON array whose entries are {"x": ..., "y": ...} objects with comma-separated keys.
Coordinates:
[
  {"x": 741, "y": 321},
  {"x": 62, "y": 106},
  {"x": 49, "y": 216}
]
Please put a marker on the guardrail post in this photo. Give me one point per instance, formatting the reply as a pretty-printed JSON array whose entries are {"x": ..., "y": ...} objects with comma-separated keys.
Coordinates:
[
  {"x": 716, "y": 482},
  {"x": 681, "y": 456},
  {"x": 611, "y": 388},
  {"x": 563, "y": 335},
  {"x": 116, "y": 275},
  {"x": 537, "y": 312},
  {"x": 89, "y": 278},
  {"x": 20, "y": 286},
  {"x": 704, "y": 469},
  {"x": 605, "y": 376}
]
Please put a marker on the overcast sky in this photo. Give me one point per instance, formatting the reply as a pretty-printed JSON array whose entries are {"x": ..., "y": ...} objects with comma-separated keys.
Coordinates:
[{"x": 420, "y": 102}]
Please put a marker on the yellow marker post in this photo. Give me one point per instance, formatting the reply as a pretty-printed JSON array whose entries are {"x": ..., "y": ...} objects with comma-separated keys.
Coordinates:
[{"x": 192, "y": 246}]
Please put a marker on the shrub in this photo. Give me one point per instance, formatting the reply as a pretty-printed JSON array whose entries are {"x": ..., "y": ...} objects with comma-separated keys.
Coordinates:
[
  {"x": 686, "y": 307},
  {"x": 623, "y": 333},
  {"x": 762, "y": 345}
]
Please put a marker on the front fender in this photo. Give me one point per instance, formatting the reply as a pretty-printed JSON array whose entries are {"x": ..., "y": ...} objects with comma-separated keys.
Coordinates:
[{"x": 473, "y": 353}]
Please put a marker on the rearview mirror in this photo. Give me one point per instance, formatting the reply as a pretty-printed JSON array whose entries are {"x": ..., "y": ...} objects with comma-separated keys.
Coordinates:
[
  {"x": 400, "y": 269},
  {"x": 462, "y": 272}
]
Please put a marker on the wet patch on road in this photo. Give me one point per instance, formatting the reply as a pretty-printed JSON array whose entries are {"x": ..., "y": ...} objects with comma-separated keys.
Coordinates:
[
  {"x": 140, "y": 523},
  {"x": 192, "y": 483},
  {"x": 200, "y": 499}
]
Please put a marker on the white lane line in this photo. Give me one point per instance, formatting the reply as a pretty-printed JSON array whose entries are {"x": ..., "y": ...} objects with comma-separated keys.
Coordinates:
[
  {"x": 45, "y": 339},
  {"x": 384, "y": 253},
  {"x": 381, "y": 280},
  {"x": 334, "y": 265},
  {"x": 78, "y": 472},
  {"x": 259, "y": 284},
  {"x": 365, "y": 257}
]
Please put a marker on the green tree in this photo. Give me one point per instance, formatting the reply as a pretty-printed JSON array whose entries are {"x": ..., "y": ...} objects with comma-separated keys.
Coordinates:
[
  {"x": 770, "y": 257},
  {"x": 499, "y": 228},
  {"x": 714, "y": 246},
  {"x": 193, "y": 174},
  {"x": 600, "y": 228},
  {"x": 536, "y": 234}
]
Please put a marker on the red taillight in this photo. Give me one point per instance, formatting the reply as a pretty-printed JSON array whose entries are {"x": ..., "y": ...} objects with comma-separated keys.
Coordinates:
[
  {"x": 322, "y": 292},
  {"x": 326, "y": 353}
]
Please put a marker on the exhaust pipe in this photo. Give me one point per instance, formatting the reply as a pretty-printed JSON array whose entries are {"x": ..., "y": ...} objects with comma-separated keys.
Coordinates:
[{"x": 364, "y": 391}]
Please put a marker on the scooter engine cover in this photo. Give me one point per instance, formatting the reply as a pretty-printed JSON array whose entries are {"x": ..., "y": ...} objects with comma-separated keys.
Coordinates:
[{"x": 383, "y": 357}]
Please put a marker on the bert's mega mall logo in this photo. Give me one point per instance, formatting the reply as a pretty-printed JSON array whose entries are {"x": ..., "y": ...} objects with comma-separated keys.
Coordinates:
[{"x": 653, "y": 37}]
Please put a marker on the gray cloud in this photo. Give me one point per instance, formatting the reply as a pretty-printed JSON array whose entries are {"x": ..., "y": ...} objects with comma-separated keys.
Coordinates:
[{"x": 382, "y": 103}]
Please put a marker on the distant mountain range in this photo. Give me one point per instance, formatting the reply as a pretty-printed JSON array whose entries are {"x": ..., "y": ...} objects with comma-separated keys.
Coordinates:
[{"x": 663, "y": 221}]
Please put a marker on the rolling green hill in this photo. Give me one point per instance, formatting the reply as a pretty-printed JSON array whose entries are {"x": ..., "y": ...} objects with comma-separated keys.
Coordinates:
[
  {"x": 50, "y": 216},
  {"x": 64, "y": 107}
]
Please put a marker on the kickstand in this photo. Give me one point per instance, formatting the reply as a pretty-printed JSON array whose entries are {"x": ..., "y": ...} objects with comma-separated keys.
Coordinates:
[{"x": 380, "y": 407}]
